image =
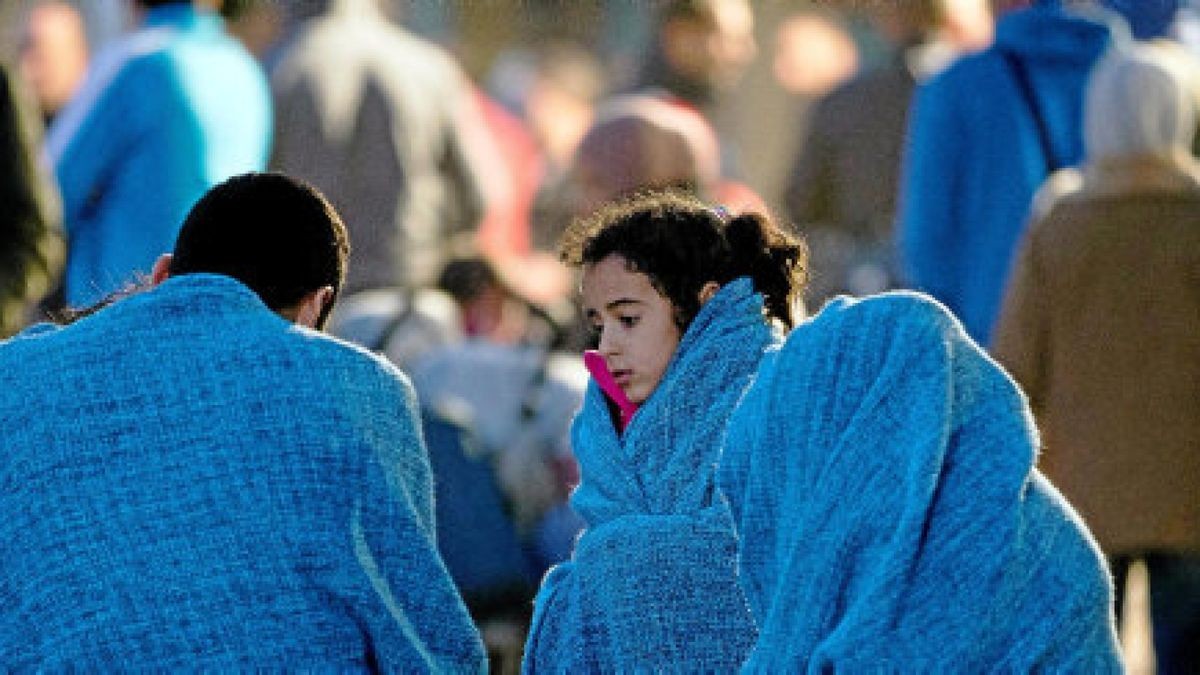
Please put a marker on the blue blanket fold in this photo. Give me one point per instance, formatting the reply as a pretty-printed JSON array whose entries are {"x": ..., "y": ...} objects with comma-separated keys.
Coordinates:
[
  {"x": 880, "y": 472},
  {"x": 652, "y": 584}
]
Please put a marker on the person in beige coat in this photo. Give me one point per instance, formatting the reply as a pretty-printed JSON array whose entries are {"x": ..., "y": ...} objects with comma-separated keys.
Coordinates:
[{"x": 1101, "y": 326}]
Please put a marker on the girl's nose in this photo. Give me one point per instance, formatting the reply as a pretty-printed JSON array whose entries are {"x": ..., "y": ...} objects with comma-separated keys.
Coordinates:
[{"x": 608, "y": 344}]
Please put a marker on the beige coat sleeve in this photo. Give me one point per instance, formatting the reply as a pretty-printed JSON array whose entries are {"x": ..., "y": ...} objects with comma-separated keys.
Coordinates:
[{"x": 1022, "y": 331}]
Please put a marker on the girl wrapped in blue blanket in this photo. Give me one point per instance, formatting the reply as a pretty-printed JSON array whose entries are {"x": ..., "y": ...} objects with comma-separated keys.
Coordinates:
[
  {"x": 685, "y": 302},
  {"x": 880, "y": 470}
]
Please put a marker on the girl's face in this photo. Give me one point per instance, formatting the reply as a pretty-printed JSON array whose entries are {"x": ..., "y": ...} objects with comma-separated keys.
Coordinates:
[{"x": 634, "y": 322}]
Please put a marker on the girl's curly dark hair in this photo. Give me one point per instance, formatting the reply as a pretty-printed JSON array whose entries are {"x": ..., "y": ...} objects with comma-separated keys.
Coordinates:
[{"x": 681, "y": 243}]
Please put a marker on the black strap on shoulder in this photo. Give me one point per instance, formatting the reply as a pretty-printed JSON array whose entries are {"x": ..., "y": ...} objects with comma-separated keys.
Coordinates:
[
  {"x": 380, "y": 343},
  {"x": 1025, "y": 86},
  {"x": 533, "y": 390}
]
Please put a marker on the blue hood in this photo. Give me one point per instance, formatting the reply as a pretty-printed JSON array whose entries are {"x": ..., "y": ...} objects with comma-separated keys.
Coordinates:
[
  {"x": 1147, "y": 19},
  {"x": 1047, "y": 31}
]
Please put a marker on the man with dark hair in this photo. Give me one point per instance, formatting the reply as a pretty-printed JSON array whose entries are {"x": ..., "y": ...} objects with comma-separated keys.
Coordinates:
[
  {"x": 206, "y": 483},
  {"x": 284, "y": 263},
  {"x": 164, "y": 114}
]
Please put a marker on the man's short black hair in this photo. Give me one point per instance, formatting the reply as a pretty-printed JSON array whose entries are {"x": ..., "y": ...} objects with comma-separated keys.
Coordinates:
[{"x": 276, "y": 234}]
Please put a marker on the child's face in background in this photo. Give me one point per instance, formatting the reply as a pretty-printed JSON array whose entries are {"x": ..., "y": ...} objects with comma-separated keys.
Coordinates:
[{"x": 635, "y": 325}]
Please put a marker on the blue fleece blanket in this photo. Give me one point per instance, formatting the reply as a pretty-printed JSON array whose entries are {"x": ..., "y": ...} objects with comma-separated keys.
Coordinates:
[
  {"x": 189, "y": 482},
  {"x": 652, "y": 585},
  {"x": 881, "y": 474}
]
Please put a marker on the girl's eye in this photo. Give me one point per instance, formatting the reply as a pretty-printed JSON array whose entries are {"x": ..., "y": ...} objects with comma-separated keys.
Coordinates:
[{"x": 628, "y": 321}]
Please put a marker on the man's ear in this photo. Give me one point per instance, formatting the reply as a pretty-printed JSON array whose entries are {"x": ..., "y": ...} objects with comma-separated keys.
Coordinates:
[
  {"x": 309, "y": 311},
  {"x": 708, "y": 291},
  {"x": 162, "y": 269}
]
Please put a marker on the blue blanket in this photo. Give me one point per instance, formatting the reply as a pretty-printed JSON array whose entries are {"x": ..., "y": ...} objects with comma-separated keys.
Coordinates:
[
  {"x": 881, "y": 474},
  {"x": 190, "y": 482},
  {"x": 652, "y": 585}
]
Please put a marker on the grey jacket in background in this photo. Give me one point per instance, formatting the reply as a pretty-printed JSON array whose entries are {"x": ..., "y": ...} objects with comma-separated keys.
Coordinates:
[{"x": 382, "y": 122}]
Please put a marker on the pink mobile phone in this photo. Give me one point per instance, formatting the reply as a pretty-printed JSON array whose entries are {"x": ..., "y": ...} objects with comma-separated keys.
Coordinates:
[{"x": 608, "y": 384}]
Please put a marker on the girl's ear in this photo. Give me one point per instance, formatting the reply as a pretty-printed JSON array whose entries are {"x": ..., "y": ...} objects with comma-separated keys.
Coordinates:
[{"x": 708, "y": 291}]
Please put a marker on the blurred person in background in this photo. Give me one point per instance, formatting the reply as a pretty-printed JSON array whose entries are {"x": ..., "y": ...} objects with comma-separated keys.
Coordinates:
[
  {"x": 968, "y": 25},
  {"x": 842, "y": 188},
  {"x": 30, "y": 247},
  {"x": 54, "y": 54},
  {"x": 489, "y": 358},
  {"x": 560, "y": 102},
  {"x": 537, "y": 106},
  {"x": 700, "y": 50},
  {"x": 497, "y": 396},
  {"x": 385, "y": 124},
  {"x": 981, "y": 137},
  {"x": 1101, "y": 327},
  {"x": 150, "y": 130},
  {"x": 510, "y": 381},
  {"x": 564, "y": 84},
  {"x": 258, "y": 24},
  {"x": 813, "y": 53},
  {"x": 504, "y": 231},
  {"x": 641, "y": 142},
  {"x": 554, "y": 87}
]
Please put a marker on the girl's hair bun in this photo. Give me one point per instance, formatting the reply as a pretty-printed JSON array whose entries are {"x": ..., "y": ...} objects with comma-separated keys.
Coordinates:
[
  {"x": 774, "y": 259},
  {"x": 747, "y": 236}
]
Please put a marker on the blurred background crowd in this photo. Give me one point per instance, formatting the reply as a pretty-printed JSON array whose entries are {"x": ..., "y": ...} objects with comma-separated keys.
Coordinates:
[{"x": 910, "y": 142}]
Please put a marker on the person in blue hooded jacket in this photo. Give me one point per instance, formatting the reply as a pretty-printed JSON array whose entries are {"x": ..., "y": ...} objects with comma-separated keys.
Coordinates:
[
  {"x": 682, "y": 299},
  {"x": 164, "y": 114},
  {"x": 193, "y": 478},
  {"x": 982, "y": 137}
]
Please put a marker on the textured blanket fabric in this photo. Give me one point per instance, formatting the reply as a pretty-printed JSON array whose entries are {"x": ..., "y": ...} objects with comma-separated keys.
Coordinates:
[
  {"x": 881, "y": 474},
  {"x": 190, "y": 482},
  {"x": 652, "y": 585}
]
